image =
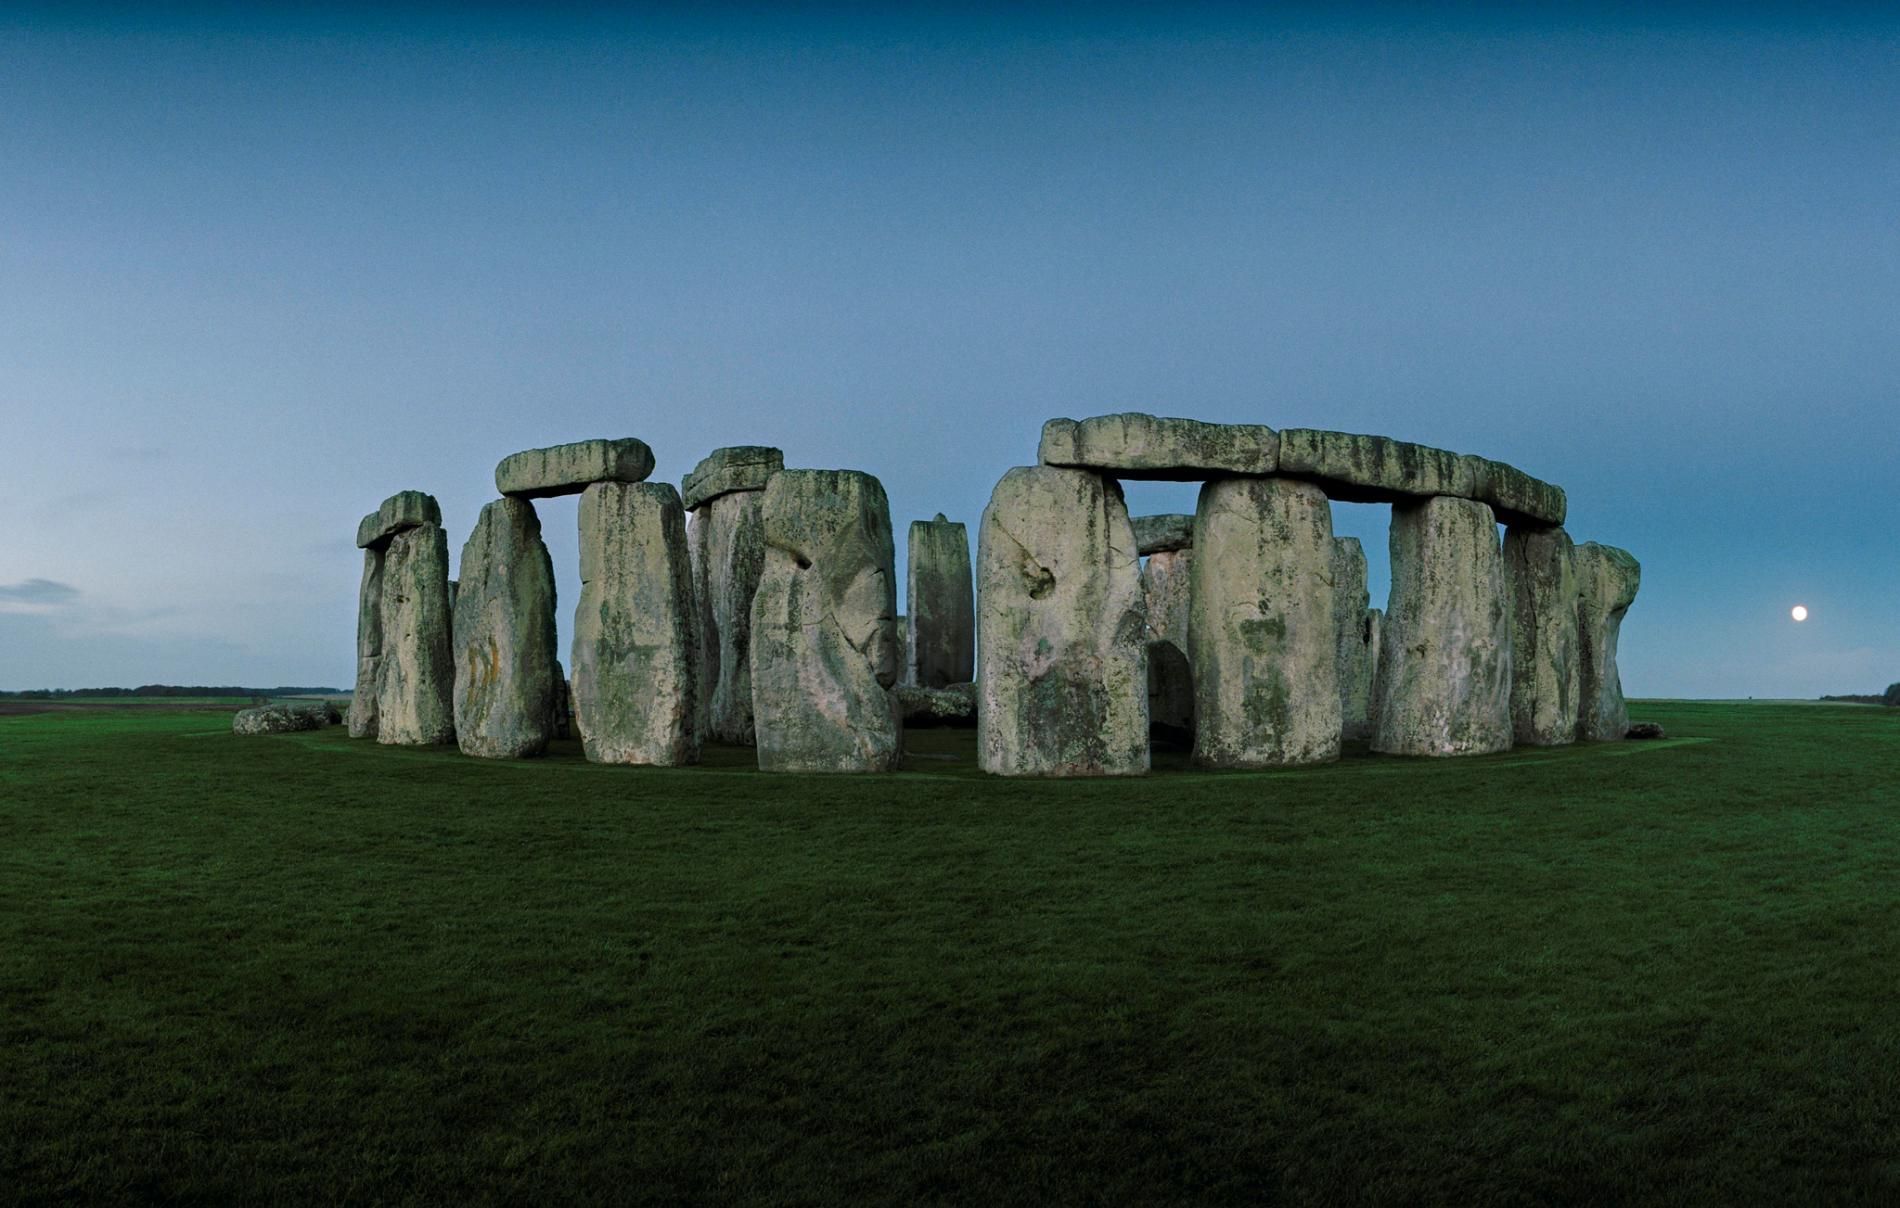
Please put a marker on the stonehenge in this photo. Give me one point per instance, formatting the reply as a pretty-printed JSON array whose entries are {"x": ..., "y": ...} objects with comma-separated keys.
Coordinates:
[{"x": 1080, "y": 636}]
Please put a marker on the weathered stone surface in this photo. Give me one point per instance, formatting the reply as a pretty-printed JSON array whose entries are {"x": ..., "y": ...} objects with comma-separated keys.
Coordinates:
[
  {"x": 733, "y": 468},
  {"x": 825, "y": 644},
  {"x": 403, "y": 510},
  {"x": 416, "y": 677},
  {"x": 570, "y": 469},
  {"x": 730, "y": 532},
  {"x": 941, "y": 622},
  {"x": 1607, "y": 581},
  {"x": 1165, "y": 587},
  {"x": 1164, "y": 533},
  {"x": 1518, "y": 499},
  {"x": 1352, "y": 638},
  {"x": 1375, "y": 642},
  {"x": 706, "y": 635},
  {"x": 1134, "y": 445},
  {"x": 1378, "y": 469},
  {"x": 281, "y": 719},
  {"x": 636, "y": 646},
  {"x": 1445, "y": 662},
  {"x": 505, "y": 647},
  {"x": 1062, "y": 634},
  {"x": 1262, "y": 640},
  {"x": 369, "y": 646},
  {"x": 1546, "y": 670},
  {"x": 921, "y": 708}
]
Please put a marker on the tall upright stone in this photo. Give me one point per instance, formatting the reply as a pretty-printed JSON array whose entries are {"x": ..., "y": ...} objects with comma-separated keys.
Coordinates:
[
  {"x": 705, "y": 631},
  {"x": 506, "y": 664},
  {"x": 1445, "y": 662},
  {"x": 726, "y": 493},
  {"x": 1607, "y": 581},
  {"x": 825, "y": 643},
  {"x": 416, "y": 673},
  {"x": 941, "y": 621},
  {"x": 1062, "y": 633},
  {"x": 635, "y": 659},
  {"x": 1352, "y": 638},
  {"x": 369, "y": 646},
  {"x": 1165, "y": 588},
  {"x": 1262, "y": 639},
  {"x": 1546, "y": 667}
]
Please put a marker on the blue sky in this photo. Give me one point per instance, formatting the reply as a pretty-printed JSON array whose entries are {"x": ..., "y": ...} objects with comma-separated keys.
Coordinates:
[{"x": 259, "y": 272}]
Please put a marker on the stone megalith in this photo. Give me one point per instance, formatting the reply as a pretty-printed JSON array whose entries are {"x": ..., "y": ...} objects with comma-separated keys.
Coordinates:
[
  {"x": 636, "y": 657},
  {"x": 505, "y": 648},
  {"x": 941, "y": 621},
  {"x": 825, "y": 644},
  {"x": 1607, "y": 579},
  {"x": 369, "y": 646},
  {"x": 726, "y": 492},
  {"x": 416, "y": 673},
  {"x": 1262, "y": 640},
  {"x": 1165, "y": 579},
  {"x": 570, "y": 469},
  {"x": 1062, "y": 633},
  {"x": 1375, "y": 642},
  {"x": 1546, "y": 671},
  {"x": 1353, "y": 638},
  {"x": 1445, "y": 658}
]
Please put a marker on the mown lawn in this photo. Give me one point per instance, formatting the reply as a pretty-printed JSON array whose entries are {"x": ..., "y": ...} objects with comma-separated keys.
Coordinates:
[{"x": 306, "y": 968}]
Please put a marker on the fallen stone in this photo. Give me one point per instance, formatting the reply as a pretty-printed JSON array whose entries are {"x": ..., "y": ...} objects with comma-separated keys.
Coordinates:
[
  {"x": 416, "y": 677},
  {"x": 923, "y": 708},
  {"x": 570, "y": 469},
  {"x": 1262, "y": 640},
  {"x": 825, "y": 644},
  {"x": 1607, "y": 581},
  {"x": 940, "y": 625},
  {"x": 278, "y": 719},
  {"x": 1135, "y": 445},
  {"x": 1352, "y": 638},
  {"x": 1546, "y": 671},
  {"x": 1165, "y": 588},
  {"x": 369, "y": 646},
  {"x": 1445, "y": 663},
  {"x": 733, "y": 468},
  {"x": 504, "y": 640},
  {"x": 1062, "y": 648},
  {"x": 403, "y": 510},
  {"x": 730, "y": 530},
  {"x": 635, "y": 656},
  {"x": 1645, "y": 730},
  {"x": 1165, "y": 533}
]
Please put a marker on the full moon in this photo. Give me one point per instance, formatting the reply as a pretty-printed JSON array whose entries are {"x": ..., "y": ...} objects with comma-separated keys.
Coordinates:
[{"x": 1800, "y": 612}]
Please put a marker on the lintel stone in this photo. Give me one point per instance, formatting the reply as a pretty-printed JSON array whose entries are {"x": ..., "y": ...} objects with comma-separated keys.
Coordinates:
[
  {"x": 733, "y": 468},
  {"x": 572, "y": 468},
  {"x": 403, "y": 510},
  {"x": 1132, "y": 444},
  {"x": 1163, "y": 533}
]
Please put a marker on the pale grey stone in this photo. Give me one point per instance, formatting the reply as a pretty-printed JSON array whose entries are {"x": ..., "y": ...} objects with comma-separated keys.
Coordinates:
[
  {"x": 505, "y": 646},
  {"x": 1445, "y": 663},
  {"x": 1163, "y": 533},
  {"x": 635, "y": 656},
  {"x": 1353, "y": 638},
  {"x": 1135, "y": 445},
  {"x": 1262, "y": 640},
  {"x": 403, "y": 510},
  {"x": 1518, "y": 499},
  {"x": 416, "y": 676},
  {"x": 369, "y": 646},
  {"x": 951, "y": 705},
  {"x": 733, "y": 468},
  {"x": 1546, "y": 670},
  {"x": 279, "y": 719},
  {"x": 1062, "y": 651},
  {"x": 1165, "y": 586},
  {"x": 1378, "y": 469},
  {"x": 940, "y": 626},
  {"x": 825, "y": 645},
  {"x": 1607, "y": 581},
  {"x": 706, "y": 634},
  {"x": 1375, "y": 641},
  {"x": 730, "y": 533},
  {"x": 570, "y": 469}
]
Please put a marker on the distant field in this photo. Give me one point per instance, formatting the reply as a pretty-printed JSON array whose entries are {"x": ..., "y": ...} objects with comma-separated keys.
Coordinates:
[{"x": 301, "y": 967}]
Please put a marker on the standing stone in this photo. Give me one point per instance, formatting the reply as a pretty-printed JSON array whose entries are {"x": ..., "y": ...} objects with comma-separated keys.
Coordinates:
[
  {"x": 505, "y": 662},
  {"x": 941, "y": 622},
  {"x": 1353, "y": 650},
  {"x": 1546, "y": 671},
  {"x": 369, "y": 646},
  {"x": 825, "y": 644},
  {"x": 705, "y": 632},
  {"x": 1062, "y": 654},
  {"x": 1607, "y": 579},
  {"x": 636, "y": 657},
  {"x": 416, "y": 676},
  {"x": 733, "y": 555},
  {"x": 1445, "y": 663},
  {"x": 1375, "y": 642},
  {"x": 1165, "y": 580},
  {"x": 1262, "y": 640}
]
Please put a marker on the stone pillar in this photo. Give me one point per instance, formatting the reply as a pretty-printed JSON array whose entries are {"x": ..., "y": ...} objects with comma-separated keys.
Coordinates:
[
  {"x": 1352, "y": 638},
  {"x": 416, "y": 676},
  {"x": 726, "y": 493},
  {"x": 1262, "y": 640},
  {"x": 825, "y": 644},
  {"x": 505, "y": 657},
  {"x": 1062, "y": 656},
  {"x": 1165, "y": 583},
  {"x": 1445, "y": 662},
  {"x": 1607, "y": 580},
  {"x": 369, "y": 646},
  {"x": 1539, "y": 570},
  {"x": 941, "y": 622},
  {"x": 636, "y": 656}
]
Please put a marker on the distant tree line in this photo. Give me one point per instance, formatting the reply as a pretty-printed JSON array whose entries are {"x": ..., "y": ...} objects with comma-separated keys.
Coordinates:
[
  {"x": 1890, "y": 697},
  {"x": 166, "y": 690}
]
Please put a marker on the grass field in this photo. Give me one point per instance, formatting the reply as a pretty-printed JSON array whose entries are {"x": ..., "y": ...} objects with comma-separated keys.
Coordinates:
[{"x": 306, "y": 968}]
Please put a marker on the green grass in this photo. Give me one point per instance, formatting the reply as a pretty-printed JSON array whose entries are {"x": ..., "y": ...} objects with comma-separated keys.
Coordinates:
[{"x": 302, "y": 967}]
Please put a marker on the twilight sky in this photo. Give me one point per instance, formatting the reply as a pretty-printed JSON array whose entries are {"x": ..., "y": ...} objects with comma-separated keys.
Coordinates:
[{"x": 259, "y": 271}]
